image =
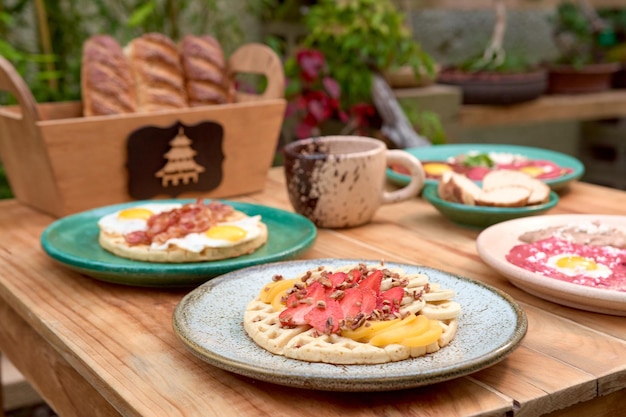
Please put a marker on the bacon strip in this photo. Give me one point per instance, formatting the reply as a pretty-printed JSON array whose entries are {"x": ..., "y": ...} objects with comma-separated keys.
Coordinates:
[{"x": 191, "y": 218}]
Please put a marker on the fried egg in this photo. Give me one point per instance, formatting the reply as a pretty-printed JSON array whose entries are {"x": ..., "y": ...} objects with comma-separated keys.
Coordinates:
[
  {"x": 537, "y": 171},
  {"x": 133, "y": 218},
  {"x": 222, "y": 235},
  {"x": 436, "y": 169},
  {"x": 572, "y": 264}
]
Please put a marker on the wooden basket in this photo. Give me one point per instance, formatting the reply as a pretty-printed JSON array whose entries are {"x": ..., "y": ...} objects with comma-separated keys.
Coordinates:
[{"x": 60, "y": 162}]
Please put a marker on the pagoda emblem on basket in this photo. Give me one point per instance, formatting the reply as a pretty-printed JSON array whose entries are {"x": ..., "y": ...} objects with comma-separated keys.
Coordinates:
[
  {"x": 174, "y": 159},
  {"x": 180, "y": 166}
]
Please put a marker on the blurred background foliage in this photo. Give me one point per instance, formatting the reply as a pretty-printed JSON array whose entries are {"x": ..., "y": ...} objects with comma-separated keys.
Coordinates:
[{"x": 43, "y": 38}]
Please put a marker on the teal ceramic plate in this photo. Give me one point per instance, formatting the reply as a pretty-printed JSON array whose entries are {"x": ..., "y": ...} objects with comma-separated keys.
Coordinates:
[
  {"x": 481, "y": 216},
  {"x": 73, "y": 241},
  {"x": 443, "y": 152},
  {"x": 208, "y": 321}
]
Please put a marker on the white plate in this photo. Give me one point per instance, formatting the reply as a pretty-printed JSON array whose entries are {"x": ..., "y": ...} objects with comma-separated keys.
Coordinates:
[
  {"x": 208, "y": 320},
  {"x": 495, "y": 242}
]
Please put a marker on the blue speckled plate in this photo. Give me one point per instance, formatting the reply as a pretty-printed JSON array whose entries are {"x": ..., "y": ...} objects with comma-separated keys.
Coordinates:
[
  {"x": 443, "y": 152},
  {"x": 208, "y": 320},
  {"x": 483, "y": 216},
  {"x": 73, "y": 241}
]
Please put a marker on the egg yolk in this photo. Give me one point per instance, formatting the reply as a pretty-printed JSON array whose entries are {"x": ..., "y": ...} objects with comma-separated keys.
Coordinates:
[
  {"x": 577, "y": 262},
  {"x": 533, "y": 171},
  {"x": 226, "y": 232},
  {"x": 436, "y": 168},
  {"x": 135, "y": 213}
]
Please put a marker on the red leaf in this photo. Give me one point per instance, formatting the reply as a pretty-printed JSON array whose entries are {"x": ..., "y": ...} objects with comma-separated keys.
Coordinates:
[
  {"x": 316, "y": 109},
  {"x": 332, "y": 86}
]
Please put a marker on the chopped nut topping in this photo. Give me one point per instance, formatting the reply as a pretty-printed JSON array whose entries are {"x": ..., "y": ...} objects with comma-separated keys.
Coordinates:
[{"x": 337, "y": 295}]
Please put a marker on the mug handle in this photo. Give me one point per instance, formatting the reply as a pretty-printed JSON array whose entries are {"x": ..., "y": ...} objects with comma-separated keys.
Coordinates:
[{"x": 416, "y": 172}]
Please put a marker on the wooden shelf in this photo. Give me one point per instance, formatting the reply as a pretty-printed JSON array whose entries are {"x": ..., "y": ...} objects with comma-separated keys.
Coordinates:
[{"x": 605, "y": 105}]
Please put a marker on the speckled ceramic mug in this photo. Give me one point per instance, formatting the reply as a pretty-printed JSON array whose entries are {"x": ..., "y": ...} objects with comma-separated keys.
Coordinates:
[{"x": 339, "y": 181}]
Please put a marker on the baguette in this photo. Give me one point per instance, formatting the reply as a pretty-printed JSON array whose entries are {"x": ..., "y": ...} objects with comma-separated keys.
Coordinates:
[
  {"x": 207, "y": 80},
  {"x": 106, "y": 81},
  {"x": 157, "y": 71}
]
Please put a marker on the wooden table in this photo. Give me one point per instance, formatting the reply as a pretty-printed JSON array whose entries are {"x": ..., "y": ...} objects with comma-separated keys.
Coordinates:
[{"x": 97, "y": 349}]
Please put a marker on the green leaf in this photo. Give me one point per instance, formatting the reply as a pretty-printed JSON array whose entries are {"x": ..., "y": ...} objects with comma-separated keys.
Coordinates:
[
  {"x": 141, "y": 14},
  {"x": 478, "y": 160}
]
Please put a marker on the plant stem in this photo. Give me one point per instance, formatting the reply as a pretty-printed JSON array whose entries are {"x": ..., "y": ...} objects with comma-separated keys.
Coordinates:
[
  {"x": 44, "y": 39},
  {"x": 172, "y": 11}
]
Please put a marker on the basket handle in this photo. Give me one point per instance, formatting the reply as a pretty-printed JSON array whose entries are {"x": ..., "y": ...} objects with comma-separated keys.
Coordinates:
[
  {"x": 12, "y": 82},
  {"x": 23, "y": 146},
  {"x": 257, "y": 58}
]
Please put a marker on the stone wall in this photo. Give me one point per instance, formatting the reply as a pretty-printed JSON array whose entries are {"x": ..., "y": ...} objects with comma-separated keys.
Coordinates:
[{"x": 453, "y": 36}]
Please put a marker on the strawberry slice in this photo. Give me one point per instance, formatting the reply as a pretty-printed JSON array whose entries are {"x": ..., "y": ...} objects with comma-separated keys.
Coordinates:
[
  {"x": 393, "y": 295},
  {"x": 358, "y": 300},
  {"x": 337, "y": 278},
  {"x": 351, "y": 302},
  {"x": 369, "y": 301},
  {"x": 372, "y": 281},
  {"x": 297, "y": 308},
  {"x": 355, "y": 276},
  {"x": 325, "y": 317}
]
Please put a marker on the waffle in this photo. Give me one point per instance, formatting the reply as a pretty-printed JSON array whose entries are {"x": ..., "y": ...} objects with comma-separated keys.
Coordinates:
[{"x": 303, "y": 342}]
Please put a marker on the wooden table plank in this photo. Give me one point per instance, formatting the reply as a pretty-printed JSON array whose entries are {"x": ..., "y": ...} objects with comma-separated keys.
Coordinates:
[
  {"x": 530, "y": 375},
  {"x": 47, "y": 371}
]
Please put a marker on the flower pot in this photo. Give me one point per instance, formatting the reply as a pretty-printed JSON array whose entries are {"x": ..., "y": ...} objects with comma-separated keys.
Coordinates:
[
  {"x": 404, "y": 77},
  {"x": 496, "y": 88},
  {"x": 592, "y": 78},
  {"x": 619, "y": 78}
]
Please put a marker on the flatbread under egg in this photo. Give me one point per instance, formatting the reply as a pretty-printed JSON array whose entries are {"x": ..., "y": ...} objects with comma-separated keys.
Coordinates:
[{"x": 117, "y": 244}]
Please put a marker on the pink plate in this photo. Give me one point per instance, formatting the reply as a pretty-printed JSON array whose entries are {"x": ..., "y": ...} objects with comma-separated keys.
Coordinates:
[{"x": 495, "y": 242}]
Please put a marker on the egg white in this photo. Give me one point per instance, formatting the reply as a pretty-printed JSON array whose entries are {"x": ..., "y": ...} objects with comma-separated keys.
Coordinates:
[
  {"x": 197, "y": 242},
  {"x": 112, "y": 223},
  {"x": 602, "y": 271}
]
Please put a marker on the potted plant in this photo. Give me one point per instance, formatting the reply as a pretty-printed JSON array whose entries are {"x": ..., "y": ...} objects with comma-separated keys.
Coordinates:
[
  {"x": 616, "y": 43},
  {"x": 359, "y": 38},
  {"x": 333, "y": 73},
  {"x": 497, "y": 77},
  {"x": 582, "y": 66}
]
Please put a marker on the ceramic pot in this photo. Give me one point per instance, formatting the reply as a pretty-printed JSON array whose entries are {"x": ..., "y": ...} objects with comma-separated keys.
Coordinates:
[
  {"x": 619, "y": 78},
  {"x": 496, "y": 88},
  {"x": 404, "y": 77},
  {"x": 592, "y": 78}
]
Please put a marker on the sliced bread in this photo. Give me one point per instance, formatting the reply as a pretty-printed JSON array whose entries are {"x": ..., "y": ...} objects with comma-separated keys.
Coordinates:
[
  {"x": 458, "y": 188},
  {"x": 505, "y": 196},
  {"x": 539, "y": 190}
]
